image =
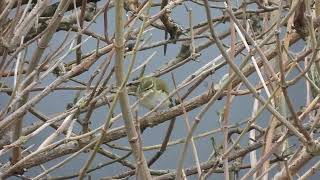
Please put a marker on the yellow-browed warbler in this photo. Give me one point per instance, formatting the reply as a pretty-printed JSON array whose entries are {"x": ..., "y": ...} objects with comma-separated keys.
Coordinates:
[{"x": 152, "y": 91}]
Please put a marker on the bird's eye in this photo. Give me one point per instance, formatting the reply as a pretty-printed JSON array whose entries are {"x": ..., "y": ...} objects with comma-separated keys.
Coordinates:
[{"x": 147, "y": 85}]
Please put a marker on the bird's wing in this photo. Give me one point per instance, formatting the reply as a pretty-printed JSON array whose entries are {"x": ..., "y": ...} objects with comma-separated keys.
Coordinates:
[{"x": 160, "y": 83}]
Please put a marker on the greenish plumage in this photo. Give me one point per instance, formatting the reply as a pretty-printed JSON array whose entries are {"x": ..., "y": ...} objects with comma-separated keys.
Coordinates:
[
  {"x": 315, "y": 78},
  {"x": 152, "y": 91}
]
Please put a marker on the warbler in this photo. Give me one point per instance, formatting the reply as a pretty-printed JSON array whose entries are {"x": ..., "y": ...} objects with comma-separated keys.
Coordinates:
[{"x": 152, "y": 91}]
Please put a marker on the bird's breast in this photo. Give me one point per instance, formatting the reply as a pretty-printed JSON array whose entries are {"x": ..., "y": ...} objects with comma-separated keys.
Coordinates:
[{"x": 151, "y": 99}]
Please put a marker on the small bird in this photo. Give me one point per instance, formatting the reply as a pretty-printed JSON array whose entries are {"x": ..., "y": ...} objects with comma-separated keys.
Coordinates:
[
  {"x": 315, "y": 78},
  {"x": 152, "y": 91}
]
